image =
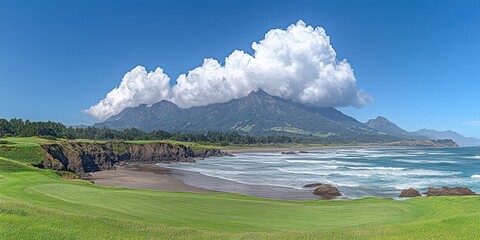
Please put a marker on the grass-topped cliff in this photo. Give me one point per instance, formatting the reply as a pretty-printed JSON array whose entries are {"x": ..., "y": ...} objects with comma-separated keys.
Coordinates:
[
  {"x": 85, "y": 156},
  {"x": 40, "y": 204}
]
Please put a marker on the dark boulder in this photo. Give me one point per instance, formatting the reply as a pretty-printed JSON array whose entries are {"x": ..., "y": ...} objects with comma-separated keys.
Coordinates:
[
  {"x": 326, "y": 191},
  {"x": 409, "y": 193},
  {"x": 446, "y": 191},
  {"x": 289, "y": 153},
  {"x": 303, "y": 152},
  {"x": 312, "y": 185},
  {"x": 206, "y": 153}
]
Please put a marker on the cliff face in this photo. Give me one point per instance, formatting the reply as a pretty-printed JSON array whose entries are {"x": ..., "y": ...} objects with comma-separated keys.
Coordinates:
[{"x": 82, "y": 158}]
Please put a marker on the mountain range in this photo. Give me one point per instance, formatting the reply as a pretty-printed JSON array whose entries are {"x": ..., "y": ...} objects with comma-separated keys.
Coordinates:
[
  {"x": 260, "y": 114},
  {"x": 456, "y": 137},
  {"x": 384, "y": 125}
]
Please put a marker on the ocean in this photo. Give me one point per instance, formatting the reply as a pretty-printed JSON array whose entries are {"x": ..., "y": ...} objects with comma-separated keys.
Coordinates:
[{"x": 356, "y": 172}]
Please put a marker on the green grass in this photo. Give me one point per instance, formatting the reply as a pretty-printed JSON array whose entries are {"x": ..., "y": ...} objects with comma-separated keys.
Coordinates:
[
  {"x": 195, "y": 146},
  {"x": 5, "y": 142},
  {"x": 302, "y": 132},
  {"x": 25, "y": 153},
  {"x": 245, "y": 129},
  {"x": 27, "y": 141},
  {"x": 39, "y": 204},
  {"x": 290, "y": 130}
]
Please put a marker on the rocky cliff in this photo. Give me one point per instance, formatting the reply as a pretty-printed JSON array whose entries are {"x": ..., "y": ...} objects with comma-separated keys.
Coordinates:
[{"x": 84, "y": 157}]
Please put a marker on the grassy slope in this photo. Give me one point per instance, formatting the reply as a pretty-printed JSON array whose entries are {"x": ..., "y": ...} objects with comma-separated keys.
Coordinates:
[
  {"x": 37, "y": 203},
  {"x": 25, "y": 150}
]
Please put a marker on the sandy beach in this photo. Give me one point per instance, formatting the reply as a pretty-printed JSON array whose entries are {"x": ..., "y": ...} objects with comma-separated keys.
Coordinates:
[
  {"x": 153, "y": 177},
  {"x": 144, "y": 177}
]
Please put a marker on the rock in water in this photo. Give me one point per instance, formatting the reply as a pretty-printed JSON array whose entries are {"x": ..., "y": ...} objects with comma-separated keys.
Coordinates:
[
  {"x": 312, "y": 185},
  {"x": 446, "y": 191},
  {"x": 289, "y": 153},
  {"x": 326, "y": 191},
  {"x": 409, "y": 193}
]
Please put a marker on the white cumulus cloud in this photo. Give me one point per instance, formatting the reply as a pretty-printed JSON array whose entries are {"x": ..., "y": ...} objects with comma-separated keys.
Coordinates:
[
  {"x": 297, "y": 63},
  {"x": 137, "y": 87}
]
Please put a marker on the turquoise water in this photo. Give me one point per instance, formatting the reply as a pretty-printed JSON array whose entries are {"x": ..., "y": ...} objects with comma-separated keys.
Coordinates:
[{"x": 356, "y": 172}]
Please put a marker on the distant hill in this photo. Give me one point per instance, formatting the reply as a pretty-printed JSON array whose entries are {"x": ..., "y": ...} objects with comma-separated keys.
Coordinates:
[
  {"x": 384, "y": 125},
  {"x": 458, "y": 138},
  {"x": 258, "y": 113}
]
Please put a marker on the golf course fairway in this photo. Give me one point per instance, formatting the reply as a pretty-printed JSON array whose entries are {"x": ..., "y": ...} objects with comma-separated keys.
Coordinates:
[{"x": 40, "y": 204}]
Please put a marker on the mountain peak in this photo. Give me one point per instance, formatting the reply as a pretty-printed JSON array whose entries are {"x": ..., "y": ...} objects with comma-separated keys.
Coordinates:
[
  {"x": 165, "y": 107},
  {"x": 382, "y": 119},
  {"x": 258, "y": 93},
  {"x": 258, "y": 113},
  {"x": 164, "y": 103},
  {"x": 384, "y": 125}
]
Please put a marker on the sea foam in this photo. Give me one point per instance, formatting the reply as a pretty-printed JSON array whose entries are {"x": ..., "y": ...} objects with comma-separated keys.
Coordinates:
[{"x": 356, "y": 172}]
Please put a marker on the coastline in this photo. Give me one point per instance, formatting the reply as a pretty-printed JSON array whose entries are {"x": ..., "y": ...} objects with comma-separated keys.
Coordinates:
[
  {"x": 162, "y": 177},
  {"x": 149, "y": 177},
  {"x": 154, "y": 177}
]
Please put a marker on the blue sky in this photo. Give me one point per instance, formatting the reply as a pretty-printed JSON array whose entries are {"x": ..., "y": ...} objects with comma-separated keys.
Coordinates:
[{"x": 417, "y": 59}]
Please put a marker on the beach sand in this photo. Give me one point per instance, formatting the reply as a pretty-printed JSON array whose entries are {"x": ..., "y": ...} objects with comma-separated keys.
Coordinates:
[
  {"x": 144, "y": 177},
  {"x": 153, "y": 177},
  {"x": 162, "y": 178}
]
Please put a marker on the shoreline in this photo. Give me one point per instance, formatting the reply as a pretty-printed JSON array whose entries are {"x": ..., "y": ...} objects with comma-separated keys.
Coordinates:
[
  {"x": 154, "y": 177},
  {"x": 149, "y": 177},
  {"x": 163, "y": 177}
]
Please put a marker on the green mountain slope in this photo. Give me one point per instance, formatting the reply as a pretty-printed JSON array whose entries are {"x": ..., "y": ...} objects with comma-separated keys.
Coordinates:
[
  {"x": 257, "y": 114},
  {"x": 384, "y": 125}
]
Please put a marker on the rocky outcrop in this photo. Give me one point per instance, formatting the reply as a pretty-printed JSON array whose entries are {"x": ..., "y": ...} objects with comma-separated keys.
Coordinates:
[
  {"x": 326, "y": 191},
  {"x": 312, "y": 185},
  {"x": 446, "y": 191},
  {"x": 84, "y": 157},
  {"x": 205, "y": 153},
  {"x": 410, "y": 193},
  {"x": 289, "y": 153}
]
